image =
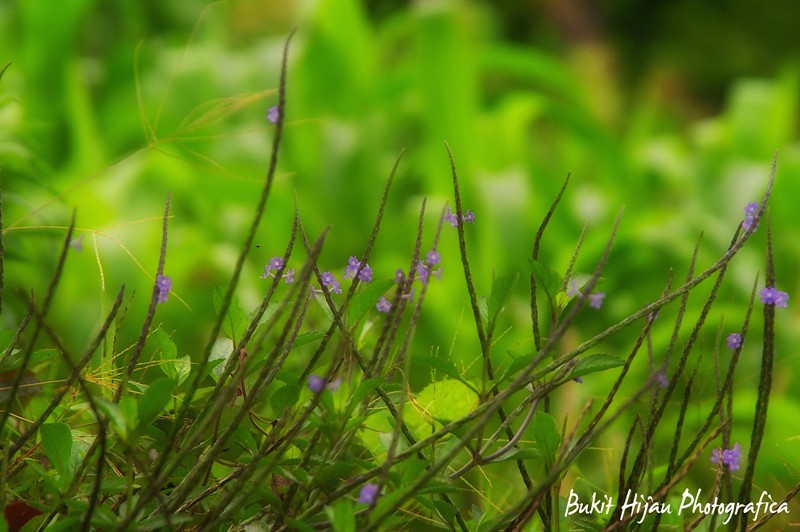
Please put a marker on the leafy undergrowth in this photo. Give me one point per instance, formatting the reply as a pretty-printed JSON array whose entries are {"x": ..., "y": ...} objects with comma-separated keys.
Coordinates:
[{"x": 300, "y": 414}]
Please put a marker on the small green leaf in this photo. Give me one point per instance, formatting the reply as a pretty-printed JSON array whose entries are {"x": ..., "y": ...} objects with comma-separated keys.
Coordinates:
[
  {"x": 445, "y": 366},
  {"x": 367, "y": 298},
  {"x": 363, "y": 389},
  {"x": 114, "y": 415},
  {"x": 595, "y": 363},
  {"x": 220, "y": 352},
  {"x": 235, "y": 321},
  {"x": 154, "y": 399},
  {"x": 548, "y": 439},
  {"x": 342, "y": 515},
  {"x": 517, "y": 363},
  {"x": 548, "y": 279},
  {"x": 285, "y": 397},
  {"x": 57, "y": 444},
  {"x": 445, "y": 400},
  {"x": 502, "y": 288},
  {"x": 168, "y": 351}
]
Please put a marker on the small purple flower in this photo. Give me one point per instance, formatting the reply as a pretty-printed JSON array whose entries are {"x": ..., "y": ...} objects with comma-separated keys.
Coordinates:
[
  {"x": 433, "y": 257},
  {"x": 729, "y": 457},
  {"x": 274, "y": 264},
  {"x": 368, "y": 493},
  {"x": 288, "y": 276},
  {"x": 596, "y": 299},
  {"x": 750, "y": 215},
  {"x": 365, "y": 275},
  {"x": 661, "y": 379},
  {"x": 572, "y": 288},
  {"x": 164, "y": 285},
  {"x": 76, "y": 243},
  {"x": 316, "y": 383},
  {"x": 352, "y": 267},
  {"x": 773, "y": 296},
  {"x": 469, "y": 217},
  {"x": 334, "y": 384},
  {"x": 398, "y": 275},
  {"x": 450, "y": 217},
  {"x": 330, "y": 282},
  {"x": 734, "y": 340},
  {"x": 383, "y": 305},
  {"x": 423, "y": 273},
  {"x": 273, "y": 113}
]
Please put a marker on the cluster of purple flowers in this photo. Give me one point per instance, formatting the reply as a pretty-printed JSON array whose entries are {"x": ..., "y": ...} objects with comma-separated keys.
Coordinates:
[
  {"x": 595, "y": 298},
  {"x": 454, "y": 219},
  {"x": 734, "y": 340},
  {"x": 164, "y": 285},
  {"x": 729, "y": 457},
  {"x": 750, "y": 212},
  {"x": 273, "y": 113},
  {"x": 772, "y": 296},
  {"x": 275, "y": 264}
]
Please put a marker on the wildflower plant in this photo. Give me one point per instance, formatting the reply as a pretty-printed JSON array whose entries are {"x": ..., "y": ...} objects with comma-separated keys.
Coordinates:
[{"x": 300, "y": 414}]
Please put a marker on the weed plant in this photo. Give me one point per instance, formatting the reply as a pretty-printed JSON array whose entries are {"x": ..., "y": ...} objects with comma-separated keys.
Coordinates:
[{"x": 300, "y": 414}]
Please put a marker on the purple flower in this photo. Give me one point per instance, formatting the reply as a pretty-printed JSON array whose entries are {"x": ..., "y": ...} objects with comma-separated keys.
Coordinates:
[
  {"x": 330, "y": 282},
  {"x": 572, "y": 288},
  {"x": 365, "y": 275},
  {"x": 734, "y": 340},
  {"x": 368, "y": 493},
  {"x": 273, "y": 113},
  {"x": 450, "y": 217},
  {"x": 398, "y": 275},
  {"x": 274, "y": 264},
  {"x": 469, "y": 217},
  {"x": 661, "y": 379},
  {"x": 433, "y": 258},
  {"x": 76, "y": 243},
  {"x": 383, "y": 305},
  {"x": 729, "y": 457},
  {"x": 334, "y": 384},
  {"x": 288, "y": 276},
  {"x": 773, "y": 296},
  {"x": 596, "y": 299},
  {"x": 316, "y": 383},
  {"x": 750, "y": 215},
  {"x": 164, "y": 285},
  {"x": 352, "y": 267},
  {"x": 423, "y": 273}
]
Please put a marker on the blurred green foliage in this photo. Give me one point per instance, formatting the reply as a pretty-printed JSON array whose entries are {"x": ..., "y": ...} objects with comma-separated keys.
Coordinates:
[{"x": 110, "y": 106}]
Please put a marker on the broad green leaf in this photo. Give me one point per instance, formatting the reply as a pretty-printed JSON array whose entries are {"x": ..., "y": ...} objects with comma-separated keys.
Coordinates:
[
  {"x": 548, "y": 439},
  {"x": 445, "y": 366},
  {"x": 367, "y": 298},
  {"x": 284, "y": 397},
  {"x": 167, "y": 348},
  {"x": 114, "y": 415},
  {"x": 363, "y": 389},
  {"x": 235, "y": 321},
  {"x": 445, "y": 400},
  {"x": 154, "y": 399},
  {"x": 595, "y": 363},
  {"x": 220, "y": 352},
  {"x": 502, "y": 288},
  {"x": 342, "y": 515},
  {"x": 548, "y": 279},
  {"x": 57, "y": 444}
]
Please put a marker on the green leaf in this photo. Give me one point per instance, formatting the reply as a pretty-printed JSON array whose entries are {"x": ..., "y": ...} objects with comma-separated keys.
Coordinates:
[
  {"x": 177, "y": 369},
  {"x": 363, "y": 389},
  {"x": 114, "y": 414},
  {"x": 548, "y": 439},
  {"x": 220, "y": 352},
  {"x": 502, "y": 288},
  {"x": 548, "y": 279},
  {"x": 235, "y": 321},
  {"x": 153, "y": 400},
  {"x": 445, "y": 366},
  {"x": 284, "y": 397},
  {"x": 367, "y": 298},
  {"x": 57, "y": 444},
  {"x": 595, "y": 363},
  {"x": 445, "y": 400}
]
